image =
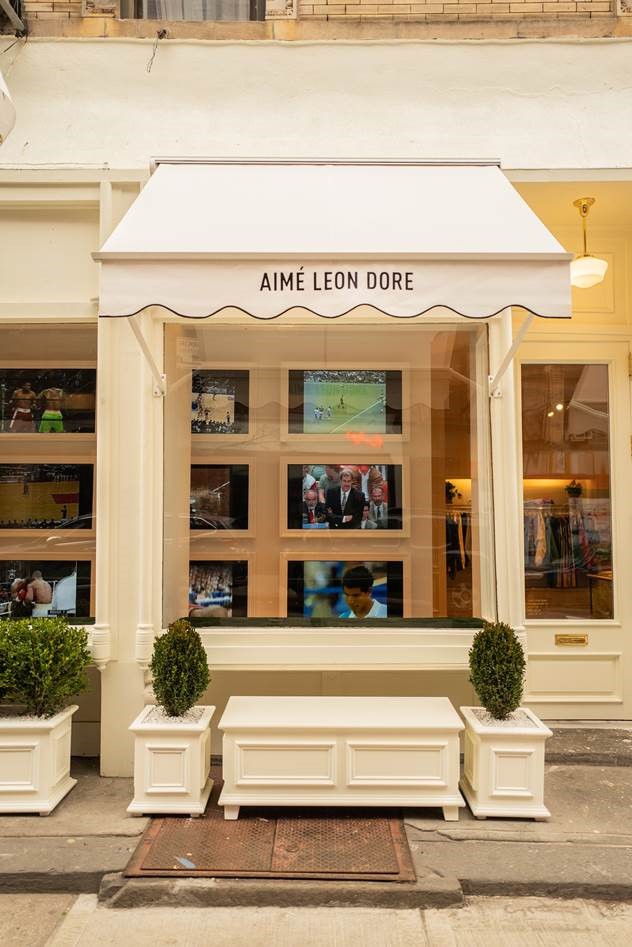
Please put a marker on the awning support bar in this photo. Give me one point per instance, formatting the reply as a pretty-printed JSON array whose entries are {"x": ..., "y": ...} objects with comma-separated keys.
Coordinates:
[
  {"x": 494, "y": 381},
  {"x": 16, "y": 22},
  {"x": 160, "y": 380}
]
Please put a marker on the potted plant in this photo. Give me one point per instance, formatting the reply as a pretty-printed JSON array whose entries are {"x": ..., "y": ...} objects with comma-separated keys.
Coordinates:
[
  {"x": 574, "y": 488},
  {"x": 503, "y": 772},
  {"x": 43, "y": 664},
  {"x": 172, "y": 739}
]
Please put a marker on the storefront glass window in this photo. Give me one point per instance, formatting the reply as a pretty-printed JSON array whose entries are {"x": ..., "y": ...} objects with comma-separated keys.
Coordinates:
[
  {"x": 566, "y": 469},
  {"x": 47, "y": 474},
  {"x": 325, "y": 471}
]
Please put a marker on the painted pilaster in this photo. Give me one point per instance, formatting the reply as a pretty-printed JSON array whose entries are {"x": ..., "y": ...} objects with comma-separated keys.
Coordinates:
[
  {"x": 149, "y": 493},
  {"x": 508, "y": 532},
  {"x": 101, "y": 636},
  {"x": 129, "y": 481}
]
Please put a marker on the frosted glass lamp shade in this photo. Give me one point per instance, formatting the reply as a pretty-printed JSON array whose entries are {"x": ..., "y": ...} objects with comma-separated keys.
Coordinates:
[{"x": 587, "y": 271}]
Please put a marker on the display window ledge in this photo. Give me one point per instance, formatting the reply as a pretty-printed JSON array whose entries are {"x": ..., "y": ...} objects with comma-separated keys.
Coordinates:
[
  {"x": 294, "y": 644},
  {"x": 444, "y": 623}
]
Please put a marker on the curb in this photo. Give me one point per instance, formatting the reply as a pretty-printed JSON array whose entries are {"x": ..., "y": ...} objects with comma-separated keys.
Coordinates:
[
  {"x": 589, "y": 891},
  {"x": 119, "y": 892}
]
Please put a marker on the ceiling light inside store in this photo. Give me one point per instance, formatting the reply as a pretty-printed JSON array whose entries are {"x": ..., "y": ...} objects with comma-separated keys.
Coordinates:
[
  {"x": 586, "y": 270},
  {"x": 550, "y": 414},
  {"x": 559, "y": 407}
]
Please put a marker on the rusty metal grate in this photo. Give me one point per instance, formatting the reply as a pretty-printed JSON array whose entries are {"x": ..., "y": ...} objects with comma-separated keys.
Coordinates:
[{"x": 335, "y": 844}]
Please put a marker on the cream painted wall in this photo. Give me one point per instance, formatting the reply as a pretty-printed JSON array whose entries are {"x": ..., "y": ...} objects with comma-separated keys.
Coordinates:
[
  {"x": 412, "y": 99},
  {"x": 533, "y": 104}
]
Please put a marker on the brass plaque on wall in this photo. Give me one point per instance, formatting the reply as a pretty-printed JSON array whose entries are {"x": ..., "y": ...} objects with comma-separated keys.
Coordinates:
[{"x": 571, "y": 640}]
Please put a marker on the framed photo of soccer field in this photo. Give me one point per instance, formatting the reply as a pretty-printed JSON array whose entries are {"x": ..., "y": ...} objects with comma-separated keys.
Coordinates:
[{"x": 360, "y": 405}]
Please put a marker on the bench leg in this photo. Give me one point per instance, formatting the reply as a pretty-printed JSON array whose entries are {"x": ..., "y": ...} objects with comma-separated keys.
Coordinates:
[
  {"x": 231, "y": 812},
  {"x": 451, "y": 813}
]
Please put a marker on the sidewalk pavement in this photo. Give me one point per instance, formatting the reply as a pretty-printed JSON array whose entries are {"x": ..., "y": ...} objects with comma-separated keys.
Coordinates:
[{"x": 585, "y": 850}]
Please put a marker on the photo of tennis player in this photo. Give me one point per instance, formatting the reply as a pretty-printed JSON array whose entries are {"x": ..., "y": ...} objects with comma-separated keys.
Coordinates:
[{"x": 345, "y": 590}]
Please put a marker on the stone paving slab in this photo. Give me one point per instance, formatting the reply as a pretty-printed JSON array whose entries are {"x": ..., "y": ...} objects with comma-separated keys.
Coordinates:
[
  {"x": 89, "y": 925},
  {"x": 587, "y": 803},
  {"x": 28, "y": 920},
  {"x": 479, "y": 922},
  {"x": 95, "y": 806},
  {"x": 61, "y": 864},
  {"x": 590, "y": 747},
  {"x": 527, "y": 922},
  {"x": 563, "y": 870}
]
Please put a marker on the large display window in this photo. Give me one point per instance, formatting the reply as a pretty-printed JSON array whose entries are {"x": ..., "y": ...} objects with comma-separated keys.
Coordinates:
[
  {"x": 328, "y": 454},
  {"x": 566, "y": 489},
  {"x": 47, "y": 476}
]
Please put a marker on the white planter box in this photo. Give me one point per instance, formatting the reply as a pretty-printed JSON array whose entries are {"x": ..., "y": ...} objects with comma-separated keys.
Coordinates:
[
  {"x": 341, "y": 751},
  {"x": 172, "y": 759},
  {"x": 503, "y": 772},
  {"x": 35, "y": 762}
]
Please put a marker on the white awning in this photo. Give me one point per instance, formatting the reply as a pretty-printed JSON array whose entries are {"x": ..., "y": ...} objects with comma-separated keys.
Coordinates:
[{"x": 266, "y": 237}]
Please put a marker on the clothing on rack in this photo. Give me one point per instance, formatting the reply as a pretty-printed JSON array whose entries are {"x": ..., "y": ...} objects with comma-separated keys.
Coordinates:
[
  {"x": 562, "y": 542},
  {"x": 457, "y": 523}
]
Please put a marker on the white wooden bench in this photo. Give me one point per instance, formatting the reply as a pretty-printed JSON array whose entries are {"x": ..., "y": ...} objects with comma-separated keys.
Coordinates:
[{"x": 341, "y": 751}]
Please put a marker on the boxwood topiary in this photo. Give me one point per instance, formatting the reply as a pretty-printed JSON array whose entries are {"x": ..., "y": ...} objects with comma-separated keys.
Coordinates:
[
  {"x": 497, "y": 668},
  {"x": 179, "y": 668},
  {"x": 43, "y": 663}
]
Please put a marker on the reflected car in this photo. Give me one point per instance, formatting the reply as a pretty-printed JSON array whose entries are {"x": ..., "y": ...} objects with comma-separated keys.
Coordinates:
[{"x": 212, "y": 522}]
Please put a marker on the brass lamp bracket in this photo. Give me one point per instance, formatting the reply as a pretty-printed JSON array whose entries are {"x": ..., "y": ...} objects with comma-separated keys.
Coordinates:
[{"x": 583, "y": 205}]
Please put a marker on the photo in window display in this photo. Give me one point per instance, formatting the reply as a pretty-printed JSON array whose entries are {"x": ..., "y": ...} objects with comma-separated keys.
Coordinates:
[
  {"x": 370, "y": 494},
  {"x": 351, "y": 589},
  {"x": 219, "y": 402},
  {"x": 47, "y": 401},
  {"x": 46, "y": 496},
  {"x": 219, "y": 496},
  {"x": 344, "y": 401},
  {"x": 44, "y": 588},
  {"x": 218, "y": 589}
]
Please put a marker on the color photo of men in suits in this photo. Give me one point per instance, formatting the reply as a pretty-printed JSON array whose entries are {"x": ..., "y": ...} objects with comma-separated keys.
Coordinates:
[{"x": 344, "y": 504}]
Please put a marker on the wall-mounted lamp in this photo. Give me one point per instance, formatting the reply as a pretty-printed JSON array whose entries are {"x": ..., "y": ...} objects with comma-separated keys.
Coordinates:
[{"x": 586, "y": 270}]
